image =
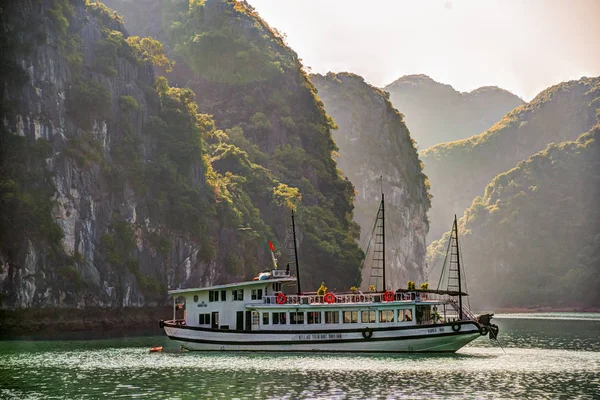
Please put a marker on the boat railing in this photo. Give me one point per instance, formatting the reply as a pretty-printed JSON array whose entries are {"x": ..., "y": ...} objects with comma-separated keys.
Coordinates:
[
  {"x": 465, "y": 310},
  {"x": 353, "y": 298}
]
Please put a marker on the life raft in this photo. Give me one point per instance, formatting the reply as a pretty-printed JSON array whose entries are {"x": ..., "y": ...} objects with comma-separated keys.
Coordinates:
[
  {"x": 329, "y": 298},
  {"x": 388, "y": 296},
  {"x": 281, "y": 298}
]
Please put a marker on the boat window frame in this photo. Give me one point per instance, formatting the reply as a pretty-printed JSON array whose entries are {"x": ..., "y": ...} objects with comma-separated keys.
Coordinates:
[
  {"x": 314, "y": 314},
  {"x": 294, "y": 320},
  {"x": 203, "y": 318},
  {"x": 405, "y": 312},
  {"x": 334, "y": 314},
  {"x": 223, "y": 295},
  {"x": 256, "y": 294},
  {"x": 281, "y": 316},
  {"x": 371, "y": 313},
  {"x": 353, "y": 316},
  {"x": 237, "y": 294},
  {"x": 268, "y": 319},
  {"x": 387, "y": 312}
]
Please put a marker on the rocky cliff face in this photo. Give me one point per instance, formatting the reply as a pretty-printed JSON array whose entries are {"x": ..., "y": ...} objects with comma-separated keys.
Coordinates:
[
  {"x": 255, "y": 88},
  {"x": 437, "y": 113},
  {"x": 373, "y": 141},
  {"x": 115, "y": 187},
  {"x": 75, "y": 124}
]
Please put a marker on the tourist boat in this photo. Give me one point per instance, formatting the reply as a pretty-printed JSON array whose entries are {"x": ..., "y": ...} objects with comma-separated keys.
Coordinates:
[{"x": 271, "y": 313}]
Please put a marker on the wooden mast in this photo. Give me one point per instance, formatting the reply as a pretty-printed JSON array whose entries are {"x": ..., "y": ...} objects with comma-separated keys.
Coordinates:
[
  {"x": 460, "y": 306},
  {"x": 296, "y": 255},
  {"x": 383, "y": 239}
]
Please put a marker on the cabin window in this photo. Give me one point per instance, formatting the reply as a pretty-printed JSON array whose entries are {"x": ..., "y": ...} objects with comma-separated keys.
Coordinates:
[
  {"x": 195, "y": 298},
  {"x": 277, "y": 287},
  {"x": 314, "y": 317},
  {"x": 213, "y": 295},
  {"x": 368, "y": 316},
  {"x": 237, "y": 294},
  {"x": 386, "y": 315},
  {"x": 204, "y": 319},
  {"x": 297, "y": 318},
  {"x": 256, "y": 294},
  {"x": 350, "y": 317},
  {"x": 279, "y": 318},
  {"x": 404, "y": 315},
  {"x": 332, "y": 317},
  {"x": 223, "y": 295},
  {"x": 255, "y": 318},
  {"x": 265, "y": 318}
]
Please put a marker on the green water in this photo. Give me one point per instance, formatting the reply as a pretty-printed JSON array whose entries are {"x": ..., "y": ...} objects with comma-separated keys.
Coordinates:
[{"x": 547, "y": 356}]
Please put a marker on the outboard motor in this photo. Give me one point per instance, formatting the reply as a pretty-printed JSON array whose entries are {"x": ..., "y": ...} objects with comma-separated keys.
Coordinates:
[{"x": 485, "y": 326}]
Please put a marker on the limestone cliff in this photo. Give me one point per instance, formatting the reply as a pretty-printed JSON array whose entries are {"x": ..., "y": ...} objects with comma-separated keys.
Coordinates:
[
  {"x": 114, "y": 186},
  {"x": 76, "y": 105},
  {"x": 373, "y": 140},
  {"x": 258, "y": 93}
]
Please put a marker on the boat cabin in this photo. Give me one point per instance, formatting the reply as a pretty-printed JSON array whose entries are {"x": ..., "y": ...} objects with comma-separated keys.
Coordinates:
[{"x": 262, "y": 304}]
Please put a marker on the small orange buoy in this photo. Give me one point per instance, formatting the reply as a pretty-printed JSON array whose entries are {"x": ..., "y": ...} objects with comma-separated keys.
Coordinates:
[{"x": 158, "y": 349}]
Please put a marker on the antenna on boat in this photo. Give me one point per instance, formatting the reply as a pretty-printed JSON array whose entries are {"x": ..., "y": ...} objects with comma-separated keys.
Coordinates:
[{"x": 296, "y": 254}]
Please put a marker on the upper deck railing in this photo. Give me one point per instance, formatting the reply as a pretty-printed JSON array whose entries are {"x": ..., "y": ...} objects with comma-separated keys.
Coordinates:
[{"x": 353, "y": 298}]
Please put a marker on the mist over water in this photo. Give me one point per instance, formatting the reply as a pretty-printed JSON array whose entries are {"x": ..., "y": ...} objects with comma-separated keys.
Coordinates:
[{"x": 547, "y": 356}]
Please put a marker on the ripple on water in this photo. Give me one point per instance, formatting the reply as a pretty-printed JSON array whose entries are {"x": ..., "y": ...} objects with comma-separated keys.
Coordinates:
[{"x": 549, "y": 358}]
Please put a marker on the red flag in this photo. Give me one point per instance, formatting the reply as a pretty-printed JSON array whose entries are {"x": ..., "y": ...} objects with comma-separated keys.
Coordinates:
[{"x": 271, "y": 246}]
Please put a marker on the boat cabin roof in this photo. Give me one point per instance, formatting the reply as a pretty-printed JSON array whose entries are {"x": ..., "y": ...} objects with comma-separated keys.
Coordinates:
[{"x": 232, "y": 285}]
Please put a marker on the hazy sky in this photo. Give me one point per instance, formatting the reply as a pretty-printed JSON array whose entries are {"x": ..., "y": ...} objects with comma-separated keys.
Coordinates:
[{"x": 523, "y": 46}]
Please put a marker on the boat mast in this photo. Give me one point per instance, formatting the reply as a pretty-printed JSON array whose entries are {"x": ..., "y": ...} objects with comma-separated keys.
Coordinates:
[
  {"x": 383, "y": 235},
  {"x": 296, "y": 255},
  {"x": 460, "y": 307}
]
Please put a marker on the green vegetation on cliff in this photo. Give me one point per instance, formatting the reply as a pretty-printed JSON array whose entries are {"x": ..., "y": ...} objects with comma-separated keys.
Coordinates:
[
  {"x": 459, "y": 171},
  {"x": 533, "y": 238},
  {"x": 272, "y": 128}
]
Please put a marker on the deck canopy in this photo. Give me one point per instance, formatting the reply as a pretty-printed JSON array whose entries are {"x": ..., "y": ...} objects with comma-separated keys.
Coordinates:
[{"x": 231, "y": 285}]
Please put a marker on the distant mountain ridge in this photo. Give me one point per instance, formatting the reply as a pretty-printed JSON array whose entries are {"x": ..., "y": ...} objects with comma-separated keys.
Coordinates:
[
  {"x": 436, "y": 112},
  {"x": 459, "y": 171}
]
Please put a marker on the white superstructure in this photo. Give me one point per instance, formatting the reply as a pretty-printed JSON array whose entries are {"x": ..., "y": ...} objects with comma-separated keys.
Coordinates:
[{"x": 258, "y": 315}]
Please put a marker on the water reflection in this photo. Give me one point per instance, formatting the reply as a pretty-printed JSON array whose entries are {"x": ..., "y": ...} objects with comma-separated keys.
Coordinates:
[{"x": 545, "y": 359}]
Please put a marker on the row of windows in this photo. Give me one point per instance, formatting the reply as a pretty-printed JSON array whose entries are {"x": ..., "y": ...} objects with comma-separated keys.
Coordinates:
[
  {"x": 333, "y": 317},
  {"x": 213, "y": 295},
  {"x": 236, "y": 295}
]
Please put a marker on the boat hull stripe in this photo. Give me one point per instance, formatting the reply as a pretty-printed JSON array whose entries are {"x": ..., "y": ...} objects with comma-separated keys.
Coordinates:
[
  {"x": 326, "y": 341},
  {"x": 309, "y": 331}
]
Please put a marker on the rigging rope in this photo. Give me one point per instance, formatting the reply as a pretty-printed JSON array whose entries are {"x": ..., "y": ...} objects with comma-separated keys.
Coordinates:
[
  {"x": 444, "y": 264},
  {"x": 464, "y": 274}
]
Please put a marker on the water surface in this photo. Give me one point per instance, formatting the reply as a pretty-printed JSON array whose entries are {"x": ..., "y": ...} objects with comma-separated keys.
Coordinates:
[{"x": 547, "y": 356}]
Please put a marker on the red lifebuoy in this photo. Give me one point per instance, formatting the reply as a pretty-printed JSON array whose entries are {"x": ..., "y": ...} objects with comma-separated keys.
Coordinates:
[
  {"x": 388, "y": 296},
  {"x": 329, "y": 298},
  {"x": 281, "y": 298}
]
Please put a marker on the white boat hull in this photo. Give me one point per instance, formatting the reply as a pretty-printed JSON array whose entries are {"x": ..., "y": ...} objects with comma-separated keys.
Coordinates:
[{"x": 428, "y": 338}]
